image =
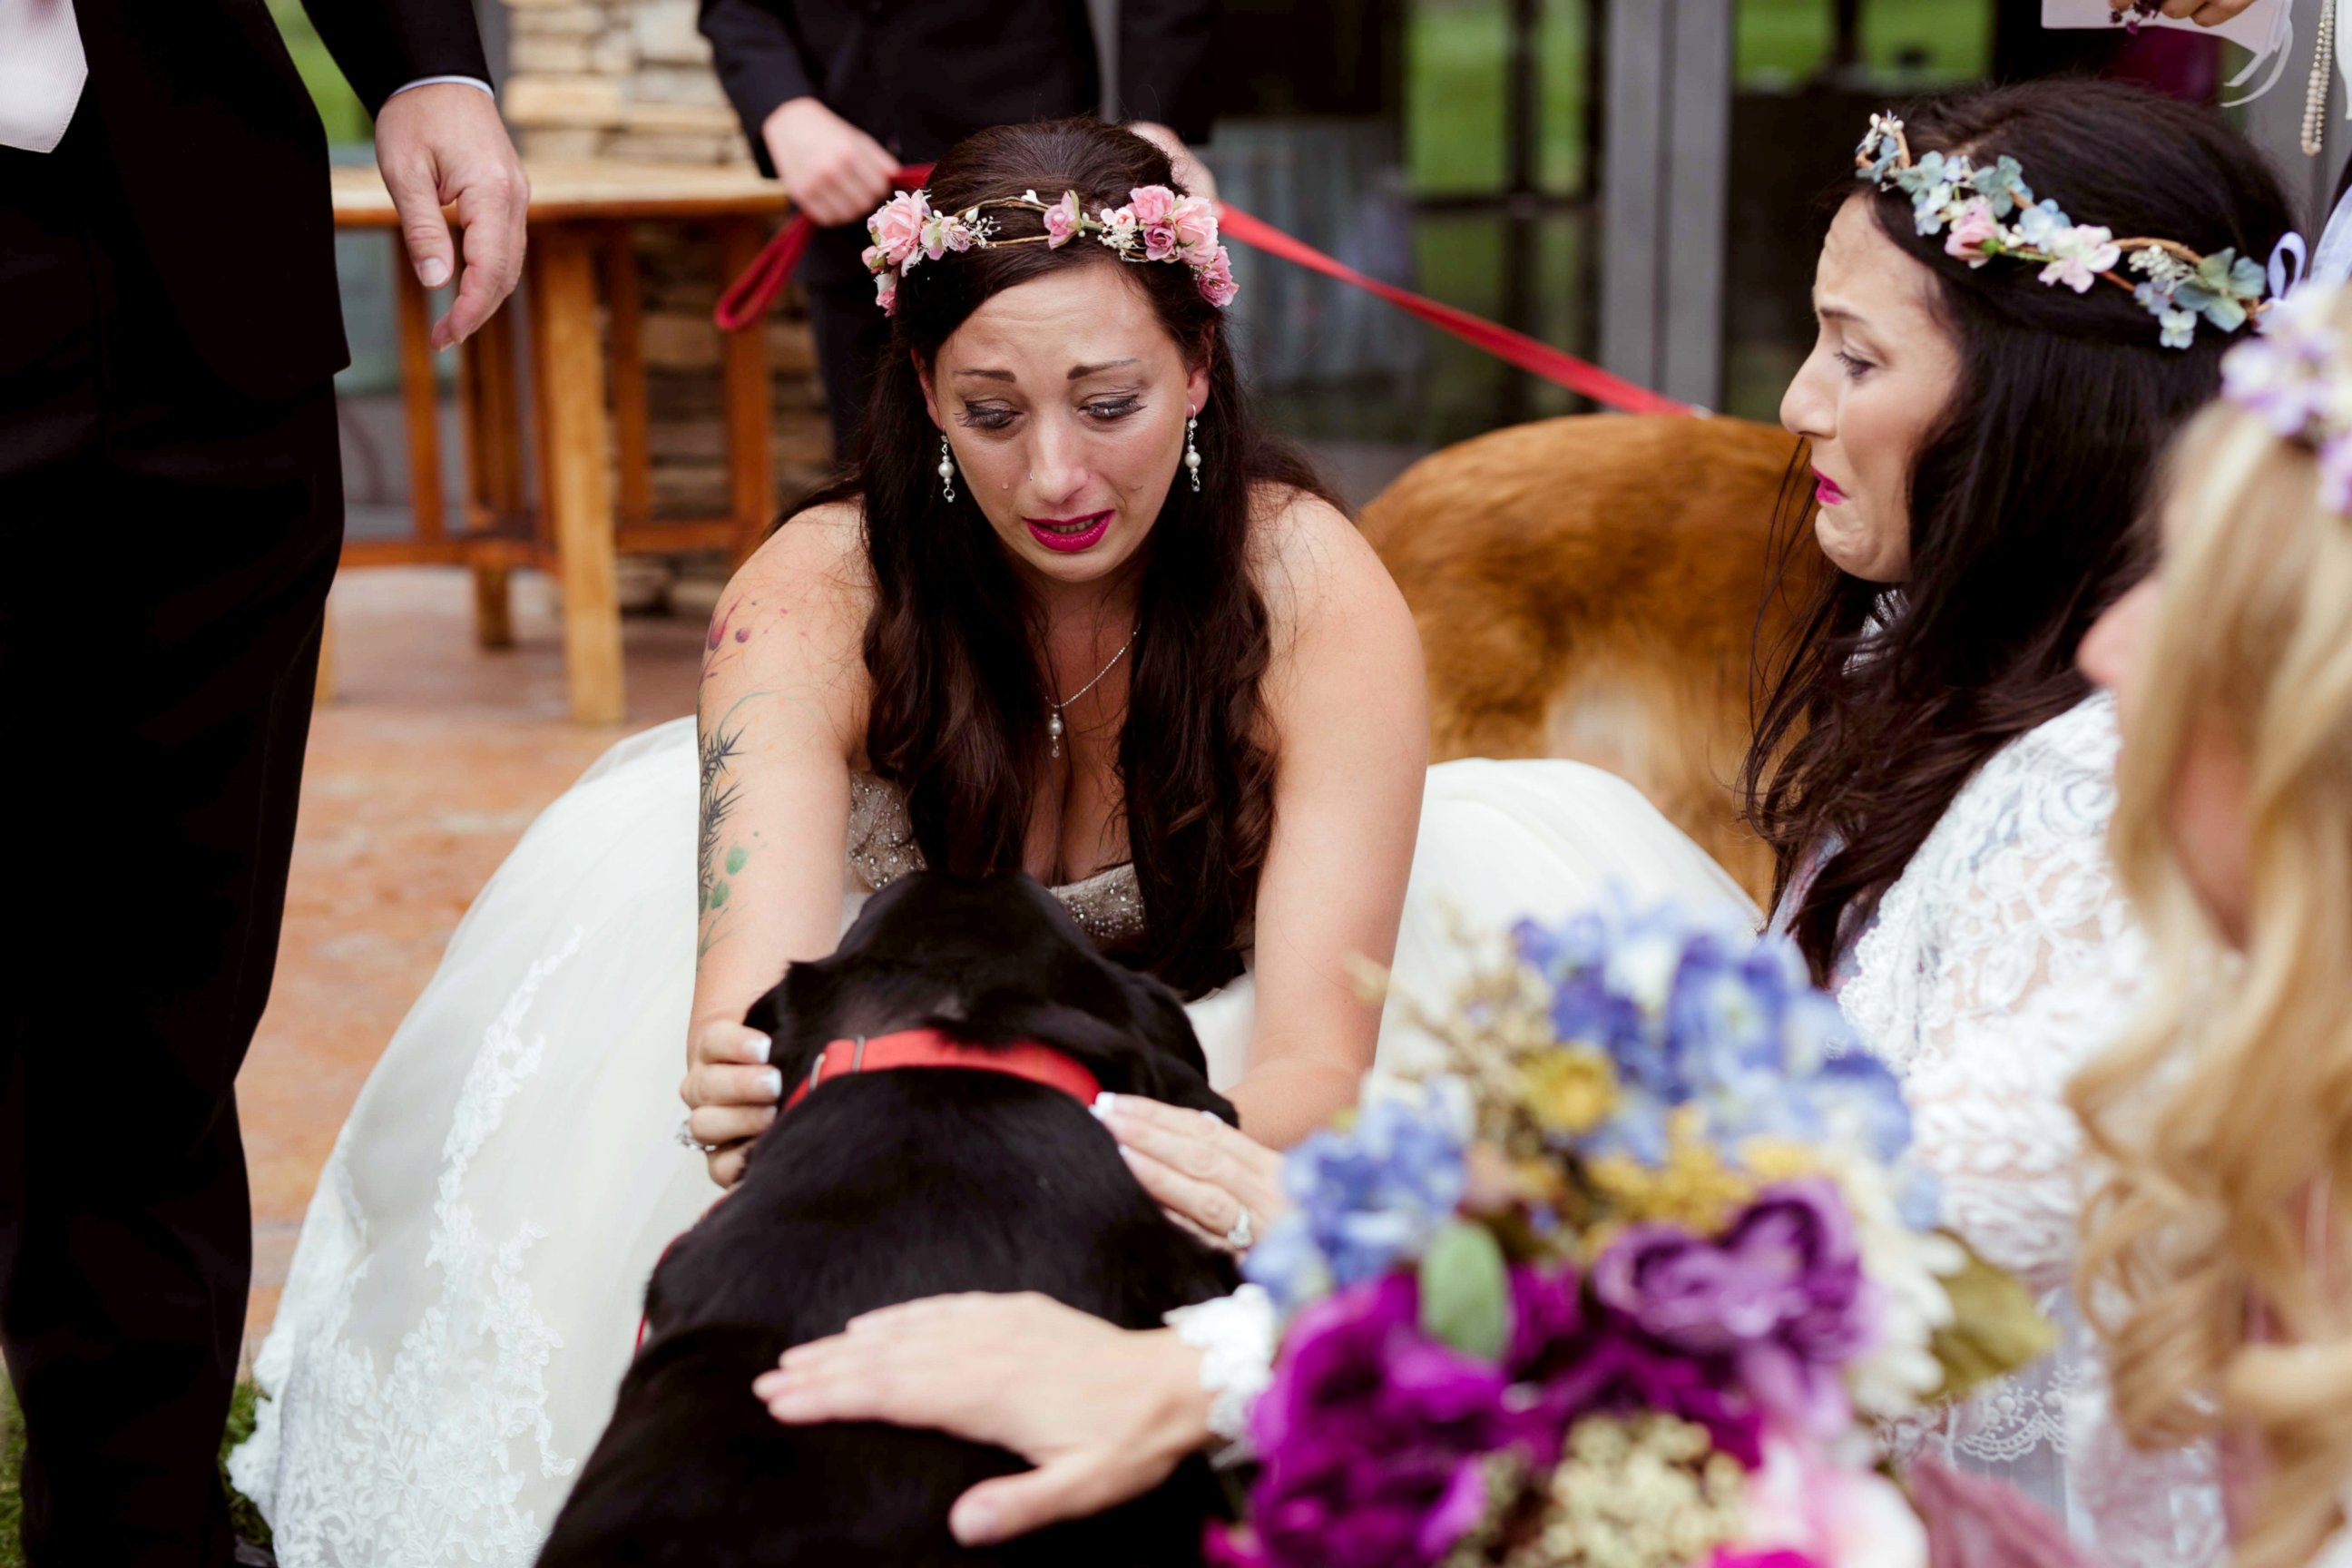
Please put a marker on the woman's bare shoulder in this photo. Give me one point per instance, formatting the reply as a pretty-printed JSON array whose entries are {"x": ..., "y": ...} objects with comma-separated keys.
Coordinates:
[
  {"x": 793, "y": 616},
  {"x": 814, "y": 566},
  {"x": 1315, "y": 569}
]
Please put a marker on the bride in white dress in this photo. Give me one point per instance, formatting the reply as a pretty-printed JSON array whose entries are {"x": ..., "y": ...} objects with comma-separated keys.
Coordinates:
[
  {"x": 1934, "y": 774},
  {"x": 1038, "y": 632}
]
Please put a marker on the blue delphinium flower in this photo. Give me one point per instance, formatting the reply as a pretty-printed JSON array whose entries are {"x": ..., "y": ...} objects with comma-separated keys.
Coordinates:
[
  {"x": 1695, "y": 1011},
  {"x": 1368, "y": 1196}
]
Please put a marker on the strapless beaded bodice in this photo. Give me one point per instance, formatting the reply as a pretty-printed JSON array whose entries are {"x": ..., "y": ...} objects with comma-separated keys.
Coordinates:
[{"x": 1108, "y": 906}]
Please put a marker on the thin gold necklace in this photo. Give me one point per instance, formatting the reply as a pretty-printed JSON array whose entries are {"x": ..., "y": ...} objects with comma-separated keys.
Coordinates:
[{"x": 1054, "y": 725}]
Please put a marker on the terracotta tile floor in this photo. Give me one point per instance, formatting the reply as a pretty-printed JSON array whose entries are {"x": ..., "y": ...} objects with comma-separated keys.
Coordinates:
[{"x": 424, "y": 768}]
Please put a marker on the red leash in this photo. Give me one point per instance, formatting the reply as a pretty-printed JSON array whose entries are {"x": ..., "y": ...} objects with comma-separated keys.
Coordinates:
[{"x": 748, "y": 298}]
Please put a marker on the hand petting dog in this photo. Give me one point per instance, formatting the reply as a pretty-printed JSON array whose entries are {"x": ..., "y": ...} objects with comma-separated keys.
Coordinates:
[
  {"x": 1103, "y": 1413},
  {"x": 730, "y": 1094},
  {"x": 1214, "y": 1181}
]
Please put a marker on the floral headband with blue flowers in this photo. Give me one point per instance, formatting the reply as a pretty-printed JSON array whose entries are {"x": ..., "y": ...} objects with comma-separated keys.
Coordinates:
[{"x": 1948, "y": 191}]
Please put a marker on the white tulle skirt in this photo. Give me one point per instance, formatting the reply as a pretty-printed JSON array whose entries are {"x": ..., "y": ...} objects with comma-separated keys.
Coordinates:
[{"x": 464, "y": 1295}]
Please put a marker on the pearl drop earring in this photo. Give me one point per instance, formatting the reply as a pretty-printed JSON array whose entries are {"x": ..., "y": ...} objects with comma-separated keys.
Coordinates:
[
  {"x": 1192, "y": 452},
  {"x": 947, "y": 469}
]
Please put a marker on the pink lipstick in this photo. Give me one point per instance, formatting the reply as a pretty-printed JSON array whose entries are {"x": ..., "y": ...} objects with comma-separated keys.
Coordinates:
[
  {"x": 1069, "y": 535},
  {"x": 1825, "y": 489}
]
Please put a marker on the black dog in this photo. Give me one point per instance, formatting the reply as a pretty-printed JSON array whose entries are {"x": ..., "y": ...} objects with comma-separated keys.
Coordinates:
[{"x": 883, "y": 1187}]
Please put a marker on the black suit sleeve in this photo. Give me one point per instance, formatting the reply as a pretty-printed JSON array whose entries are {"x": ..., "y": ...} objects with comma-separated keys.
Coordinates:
[
  {"x": 759, "y": 65},
  {"x": 384, "y": 44},
  {"x": 1163, "y": 64}
]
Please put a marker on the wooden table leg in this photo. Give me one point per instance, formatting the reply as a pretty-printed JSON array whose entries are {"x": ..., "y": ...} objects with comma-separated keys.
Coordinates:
[
  {"x": 420, "y": 395},
  {"x": 632, "y": 414},
  {"x": 570, "y": 395},
  {"x": 492, "y": 424},
  {"x": 751, "y": 464}
]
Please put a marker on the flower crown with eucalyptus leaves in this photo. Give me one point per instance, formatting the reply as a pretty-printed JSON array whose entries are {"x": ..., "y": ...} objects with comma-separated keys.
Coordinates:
[
  {"x": 2297, "y": 378},
  {"x": 1948, "y": 191},
  {"x": 1156, "y": 225}
]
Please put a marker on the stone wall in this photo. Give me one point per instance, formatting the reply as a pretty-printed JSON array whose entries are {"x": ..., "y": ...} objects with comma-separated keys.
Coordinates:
[{"x": 632, "y": 79}]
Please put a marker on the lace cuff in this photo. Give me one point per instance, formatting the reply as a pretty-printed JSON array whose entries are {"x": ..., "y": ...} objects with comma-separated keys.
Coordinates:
[{"x": 1235, "y": 1335}]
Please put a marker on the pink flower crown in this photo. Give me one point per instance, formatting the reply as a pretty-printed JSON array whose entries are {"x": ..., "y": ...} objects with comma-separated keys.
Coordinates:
[{"x": 1156, "y": 225}]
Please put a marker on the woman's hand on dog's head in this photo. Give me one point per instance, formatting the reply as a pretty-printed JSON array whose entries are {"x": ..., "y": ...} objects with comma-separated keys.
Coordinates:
[
  {"x": 1103, "y": 1413},
  {"x": 1204, "y": 1172},
  {"x": 730, "y": 1093}
]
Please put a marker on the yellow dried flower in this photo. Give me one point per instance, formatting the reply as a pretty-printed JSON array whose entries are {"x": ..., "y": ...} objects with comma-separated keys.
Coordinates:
[
  {"x": 1640, "y": 1491},
  {"x": 1694, "y": 1187},
  {"x": 1572, "y": 1090},
  {"x": 1775, "y": 1160}
]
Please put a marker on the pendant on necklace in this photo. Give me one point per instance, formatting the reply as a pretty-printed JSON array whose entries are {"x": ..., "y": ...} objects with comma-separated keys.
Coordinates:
[{"x": 1053, "y": 731}]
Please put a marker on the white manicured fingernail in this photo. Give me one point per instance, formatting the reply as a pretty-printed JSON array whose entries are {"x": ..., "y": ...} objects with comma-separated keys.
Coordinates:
[
  {"x": 763, "y": 1048},
  {"x": 774, "y": 1084},
  {"x": 974, "y": 1524},
  {"x": 433, "y": 272},
  {"x": 1105, "y": 1103}
]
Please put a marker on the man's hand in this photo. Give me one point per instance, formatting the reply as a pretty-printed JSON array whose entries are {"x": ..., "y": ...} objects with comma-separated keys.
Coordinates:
[
  {"x": 833, "y": 171},
  {"x": 444, "y": 145},
  {"x": 1191, "y": 172},
  {"x": 2204, "y": 13}
]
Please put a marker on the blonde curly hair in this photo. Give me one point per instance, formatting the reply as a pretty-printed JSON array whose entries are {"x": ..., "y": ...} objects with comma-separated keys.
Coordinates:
[{"x": 2227, "y": 1111}]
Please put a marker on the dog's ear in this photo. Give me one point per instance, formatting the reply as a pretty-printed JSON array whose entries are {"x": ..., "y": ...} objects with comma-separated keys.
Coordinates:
[
  {"x": 1174, "y": 1069},
  {"x": 768, "y": 1012}
]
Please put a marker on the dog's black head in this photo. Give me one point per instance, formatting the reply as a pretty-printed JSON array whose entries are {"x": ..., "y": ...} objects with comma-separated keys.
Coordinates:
[{"x": 988, "y": 962}]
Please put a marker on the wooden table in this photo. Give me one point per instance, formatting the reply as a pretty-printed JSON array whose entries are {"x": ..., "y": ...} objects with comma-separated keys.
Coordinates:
[{"x": 580, "y": 214}]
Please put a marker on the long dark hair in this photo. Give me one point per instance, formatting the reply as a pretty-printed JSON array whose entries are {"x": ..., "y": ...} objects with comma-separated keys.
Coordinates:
[
  {"x": 2026, "y": 496},
  {"x": 954, "y": 645}
]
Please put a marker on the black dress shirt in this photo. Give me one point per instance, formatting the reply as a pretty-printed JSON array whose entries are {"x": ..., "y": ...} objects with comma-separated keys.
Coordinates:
[{"x": 920, "y": 76}]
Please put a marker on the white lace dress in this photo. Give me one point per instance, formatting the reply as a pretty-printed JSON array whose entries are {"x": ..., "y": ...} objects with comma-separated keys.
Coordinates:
[
  {"x": 2000, "y": 962},
  {"x": 463, "y": 1297}
]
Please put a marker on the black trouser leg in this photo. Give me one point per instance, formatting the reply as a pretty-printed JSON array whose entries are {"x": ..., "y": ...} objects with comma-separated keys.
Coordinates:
[
  {"x": 168, "y": 545},
  {"x": 852, "y": 334}
]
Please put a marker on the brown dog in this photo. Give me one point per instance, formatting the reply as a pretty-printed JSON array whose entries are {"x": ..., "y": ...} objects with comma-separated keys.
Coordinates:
[{"x": 1596, "y": 587}]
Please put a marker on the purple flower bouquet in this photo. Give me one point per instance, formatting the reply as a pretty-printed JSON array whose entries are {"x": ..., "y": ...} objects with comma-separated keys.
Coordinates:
[{"x": 1623, "y": 1284}]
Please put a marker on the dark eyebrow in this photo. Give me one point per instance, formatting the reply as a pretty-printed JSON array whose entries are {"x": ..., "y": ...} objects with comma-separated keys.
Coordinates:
[
  {"x": 990, "y": 375},
  {"x": 1080, "y": 372},
  {"x": 1839, "y": 313}
]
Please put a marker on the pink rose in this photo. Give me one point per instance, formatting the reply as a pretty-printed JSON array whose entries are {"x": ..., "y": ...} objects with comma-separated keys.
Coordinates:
[
  {"x": 873, "y": 259},
  {"x": 1160, "y": 242},
  {"x": 1151, "y": 204},
  {"x": 1195, "y": 220},
  {"x": 1062, "y": 220},
  {"x": 897, "y": 226},
  {"x": 1975, "y": 226},
  {"x": 1216, "y": 280},
  {"x": 886, "y": 291},
  {"x": 1840, "y": 1518}
]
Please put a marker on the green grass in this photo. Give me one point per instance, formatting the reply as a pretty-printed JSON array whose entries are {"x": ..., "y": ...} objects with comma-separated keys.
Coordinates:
[
  {"x": 1457, "y": 61},
  {"x": 249, "y": 1520},
  {"x": 339, "y": 106}
]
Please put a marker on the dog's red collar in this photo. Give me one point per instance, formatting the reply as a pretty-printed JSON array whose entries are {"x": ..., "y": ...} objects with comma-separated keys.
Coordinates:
[{"x": 929, "y": 1049}]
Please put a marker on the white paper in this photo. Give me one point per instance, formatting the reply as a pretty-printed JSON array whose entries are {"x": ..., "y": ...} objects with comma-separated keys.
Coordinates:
[{"x": 2252, "y": 27}]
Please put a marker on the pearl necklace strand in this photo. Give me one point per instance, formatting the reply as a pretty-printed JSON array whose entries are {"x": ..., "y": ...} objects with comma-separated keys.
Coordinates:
[
  {"x": 2315, "y": 97},
  {"x": 1054, "y": 725}
]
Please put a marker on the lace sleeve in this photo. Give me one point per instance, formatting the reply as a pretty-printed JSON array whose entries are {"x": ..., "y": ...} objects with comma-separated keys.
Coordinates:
[{"x": 2004, "y": 959}]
